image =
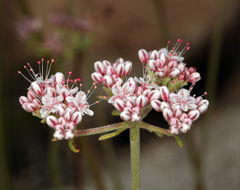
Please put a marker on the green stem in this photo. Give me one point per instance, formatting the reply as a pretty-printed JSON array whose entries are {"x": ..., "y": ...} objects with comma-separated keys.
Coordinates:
[
  {"x": 135, "y": 157},
  {"x": 99, "y": 130},
  {"x": 152, "y": 128},
  {"x": 54, "y": 165}
]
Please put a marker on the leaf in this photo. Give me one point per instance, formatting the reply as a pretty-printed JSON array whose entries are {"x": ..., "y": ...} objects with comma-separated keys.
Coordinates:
[
  {"x": 115, "y": 113},
  {"x": 159, "y": 134},
  {"x": 179, "y": 141},
  {"x": 72, "y": 146},
  {"x": 111, "y": 135}
]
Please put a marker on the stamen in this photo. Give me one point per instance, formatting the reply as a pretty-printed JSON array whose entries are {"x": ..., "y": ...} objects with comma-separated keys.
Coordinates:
[{"x": 19, "y": 72}]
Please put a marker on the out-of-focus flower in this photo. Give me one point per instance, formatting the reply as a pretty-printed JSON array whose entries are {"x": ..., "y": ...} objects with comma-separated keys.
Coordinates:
[
  {"x": 66, "y": 21},
  {"x": 28, "y": 26},
  {"x": 56, "y": 100}
]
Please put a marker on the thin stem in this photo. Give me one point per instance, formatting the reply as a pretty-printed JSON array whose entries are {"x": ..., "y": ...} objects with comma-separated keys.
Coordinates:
[
  {"x": 135, "y": 157},
  {"x": 99, "y": 130},
  {"x": 152, "y": 128}
]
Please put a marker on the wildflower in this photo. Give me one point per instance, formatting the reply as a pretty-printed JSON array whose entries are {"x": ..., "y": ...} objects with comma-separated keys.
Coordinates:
[
  {"x": 58, "y": 101},
  {"x": 180, "y": 109}
]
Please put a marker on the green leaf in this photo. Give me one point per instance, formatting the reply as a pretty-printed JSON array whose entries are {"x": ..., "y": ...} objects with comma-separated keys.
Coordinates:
[
  {"x": 159, "y": 134},
  {"x": 179, "y": 141},
  {"x": 115, "y": 113},
  {"x": 72, "y": 146},
  {"x": 111, "y": 135}
]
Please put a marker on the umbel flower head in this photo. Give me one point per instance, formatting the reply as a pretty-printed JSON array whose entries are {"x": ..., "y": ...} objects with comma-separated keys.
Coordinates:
[
  {"x": 160, "y": 87},
  {"x": 57, "y": 101}
]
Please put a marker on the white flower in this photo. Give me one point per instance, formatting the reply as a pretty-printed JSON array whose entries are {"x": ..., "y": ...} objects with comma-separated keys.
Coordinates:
[
  {"x": 183, "y": 99},
  {"x": 124, "y": 91},
  {"x": 80, "y": 102},
  {"x": 50, "y": 105}
]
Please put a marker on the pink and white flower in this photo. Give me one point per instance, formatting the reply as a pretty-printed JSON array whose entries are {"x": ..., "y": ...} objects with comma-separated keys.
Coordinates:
[{"x": 55, "y": 99}]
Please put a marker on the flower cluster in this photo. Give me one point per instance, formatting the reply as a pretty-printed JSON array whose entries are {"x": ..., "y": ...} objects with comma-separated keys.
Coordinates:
[
  {"x": 55, "y": 100},
  {"x": 168, "y": 65},
  {"x": 180, "y": 109},
  {"x": 160, "y": 88},
  {"x": 109, "y": 74}
]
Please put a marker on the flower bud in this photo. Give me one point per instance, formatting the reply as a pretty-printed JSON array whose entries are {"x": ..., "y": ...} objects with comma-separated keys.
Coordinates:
[
  {"x": 99, "y": 67},
  {"x": 194, "y": 77},
  {"x": 23, "y": 99},
  {"x": 36, "y": 88},
  {"x": 141, "y": 101},
  {"x": 172, "y": 64},
  {"x": 119, "y": 104},
  {"x": 192, "y": 70},
  {"x": 143, "y": 55},
  {"x": 32, "y": 107},
  {"x": 183, "y": 116},
  {"x": 160, "y": 74},
  {"x": 97, "y": 77},
  {"x": 193, "y": 114},
  {"x": 106, "y": 63},
  {"x": 174, "y": 121},
  {"x": 125, "y": 116},
  {"x": 108, "y": 80},
  {"x": 68, "y": 114},
  {"x": 154, "y": 95},
  {"x": 181, "y": 67},
  {"x": 203, "y": 108},
  {"x": 198, "y": 100},
  {"x": 187, "y": 121},
  {"x": 51, "y": 121},
  {"x": 61, "y": 121},
  {"x": 68, "y": 134},
  {"x": 174, "y": 130},
  {"x": 164, "y": 105},
  {"x": 184, "y": 128},
  {"x": 120, "y": 69},
  {"x": 135, "y": 117},
  {"x": 174, "y": 72},
  {"x": 163, "y": 54},
  {"x": 31, "y": 95},
  {"x": 164, "y": 93},
  {"x": 177, "y": 110},
  {"x": 58, "y": 135},
  {"x": 77, "y": 117},
  {"x": 151, "y": 64},
  {"x": 109, "y": 70},
  {"x": 167, "y": 114},
  {"x": 154, "y": 55},
  {"x": 128, "y": 67},
  {"x": 59, "y": 78},
  {"x": 70, "y": 126},
  {"x": 156, "y": 104}
]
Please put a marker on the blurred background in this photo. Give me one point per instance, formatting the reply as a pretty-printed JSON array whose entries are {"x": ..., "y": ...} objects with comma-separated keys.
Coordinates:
[{"x": 78, "y": 32}]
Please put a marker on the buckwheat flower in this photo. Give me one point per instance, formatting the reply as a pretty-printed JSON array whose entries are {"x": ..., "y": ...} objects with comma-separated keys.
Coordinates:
[
  {"x": 109, "y": 74},
  {"x": 80, "y": 102},
  {"x": 56, "y": 100},
  {"x": 123, "y": 91},
  {"x": 167, "y": 65},
  {"x": 50, "y": 105},
  {"x": 179, "y": 109},
  {"x": 183, "y": 99}
]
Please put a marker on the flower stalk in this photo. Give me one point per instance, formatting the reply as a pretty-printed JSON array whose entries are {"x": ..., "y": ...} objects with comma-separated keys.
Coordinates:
[{"x": 135, "y": 157}]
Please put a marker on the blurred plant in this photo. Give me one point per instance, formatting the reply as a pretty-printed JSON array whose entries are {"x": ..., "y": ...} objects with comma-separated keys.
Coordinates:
[
  {"x": 67, "y": 37},
  {"x": 160, "y": 87}
]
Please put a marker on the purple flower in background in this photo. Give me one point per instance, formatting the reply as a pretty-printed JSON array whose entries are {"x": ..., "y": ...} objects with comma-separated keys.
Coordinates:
[
  {"x": 65, "y": 20},
  {"x": 28, "y": 26}
]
